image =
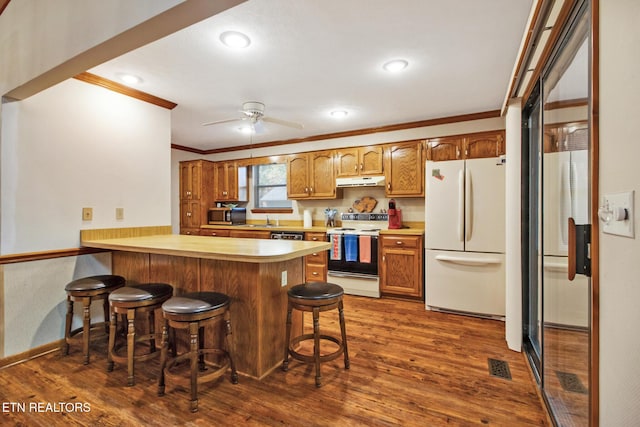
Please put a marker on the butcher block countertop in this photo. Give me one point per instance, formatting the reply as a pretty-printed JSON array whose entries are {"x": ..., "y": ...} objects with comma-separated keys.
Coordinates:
[{"x": 218, "y": 248}]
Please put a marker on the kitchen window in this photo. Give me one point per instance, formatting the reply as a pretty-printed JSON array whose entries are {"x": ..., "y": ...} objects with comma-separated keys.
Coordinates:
[{"x": 270, "y": 186}]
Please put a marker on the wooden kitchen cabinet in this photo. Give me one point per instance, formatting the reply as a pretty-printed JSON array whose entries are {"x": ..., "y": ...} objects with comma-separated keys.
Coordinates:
[
  {"x": 230, "y": 182},
  {"x": 359, "y": 161},
  {"x": 483, "y": 145},
  {"x": 250, "y": 234},
  {"x": 404, "y": 169},
  {"x": 446, "y": 148},
  {"x": 316, "y": 263},
  {"x": 311, "y": 175},
  {"x": 472, "y": 146},
  {"x": 401, "y": 266},
  {"x": 215, "y": 232},
  {"x": 196, "y": 194}
]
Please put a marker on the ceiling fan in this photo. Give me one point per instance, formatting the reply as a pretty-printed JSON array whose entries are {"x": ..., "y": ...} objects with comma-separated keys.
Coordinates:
[{"x": 253, "y": 112}]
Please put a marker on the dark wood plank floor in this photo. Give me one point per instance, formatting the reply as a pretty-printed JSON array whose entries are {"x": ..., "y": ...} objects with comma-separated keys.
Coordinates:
[{"x": 409, "y": 367}]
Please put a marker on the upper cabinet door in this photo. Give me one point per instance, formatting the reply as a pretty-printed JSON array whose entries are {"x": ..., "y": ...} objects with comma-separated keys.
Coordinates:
[
  {"x": 298, "y": 176},
  {"x": 359, "y": 161},
  {"x": 322, "y": 182},
  {"x": 190, "y": 179},
  {"x": 371, "y": 160},
  {"x": 347, "y": 162},
  {"x": 447, "y": 148},
  {"x": 404, "y": 169},
  {"x": 483, "y": 145}
]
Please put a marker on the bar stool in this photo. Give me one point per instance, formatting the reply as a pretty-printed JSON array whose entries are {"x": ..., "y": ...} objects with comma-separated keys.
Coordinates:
[
  {"x": 315, "y": 297},
  {"x": 193, "y": 311},
  {"x": 86, "y": 290},
  {"x": 129, "y": 301}
]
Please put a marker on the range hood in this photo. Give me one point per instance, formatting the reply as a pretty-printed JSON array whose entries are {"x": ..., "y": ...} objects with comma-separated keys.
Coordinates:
[{"x": 361, "y": 181}]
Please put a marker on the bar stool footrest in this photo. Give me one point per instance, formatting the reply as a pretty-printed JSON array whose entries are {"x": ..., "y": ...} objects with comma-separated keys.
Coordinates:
[{"x": 310, "y": 358}]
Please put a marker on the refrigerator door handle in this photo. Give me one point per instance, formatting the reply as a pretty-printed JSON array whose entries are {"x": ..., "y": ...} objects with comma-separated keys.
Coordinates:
[
  {"x": 468, "y": 226},
  {"x": 556, "y": 266},
  {"x": 468, "y": 261},
  {"x": 461, "y": 205}
]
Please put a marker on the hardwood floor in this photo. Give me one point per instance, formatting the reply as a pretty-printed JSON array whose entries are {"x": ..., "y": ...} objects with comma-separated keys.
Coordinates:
[{"x": 409, "y": 367}]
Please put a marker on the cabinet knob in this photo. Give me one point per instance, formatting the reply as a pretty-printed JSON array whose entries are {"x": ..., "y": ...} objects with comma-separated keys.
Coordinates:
[
  {"x": 315, "y": 273},
  {"x": 361, "y": 166},
  {"x": 314, "y": 239},
  {"x": 388, "y": 186},
  {"x": 399, "y": 242},
  {"x": 315, "y": 254},
  {"x": 188, "y": 213},
  {"x": 355, "y": 168},
  {"x": 310, "y": 189}
]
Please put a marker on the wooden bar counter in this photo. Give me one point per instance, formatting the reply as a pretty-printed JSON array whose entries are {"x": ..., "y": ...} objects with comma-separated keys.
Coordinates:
[{"x": 250, "y": 271}]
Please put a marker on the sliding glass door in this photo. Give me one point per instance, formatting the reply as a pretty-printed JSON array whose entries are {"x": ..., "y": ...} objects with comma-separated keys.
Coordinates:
[{"x": 556, "y": 131}]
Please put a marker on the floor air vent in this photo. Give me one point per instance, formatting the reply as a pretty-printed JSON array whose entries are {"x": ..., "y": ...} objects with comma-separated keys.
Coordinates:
[
  {"x": 571, "y": 382},
  {"x": 499, "y": 368}
]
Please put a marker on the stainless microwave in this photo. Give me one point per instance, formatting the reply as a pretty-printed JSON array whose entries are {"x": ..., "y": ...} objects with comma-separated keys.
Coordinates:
[{"x": 227, "y": 216}]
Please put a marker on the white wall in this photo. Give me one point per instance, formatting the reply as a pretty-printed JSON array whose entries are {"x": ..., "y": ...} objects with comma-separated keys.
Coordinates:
[
  {"x": 77, "y": 145},
  {"x": 619, "y": 171},
  {"x": 73, "y": 145}
]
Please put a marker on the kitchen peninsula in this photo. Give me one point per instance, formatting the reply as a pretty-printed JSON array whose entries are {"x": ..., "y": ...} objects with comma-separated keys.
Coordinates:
[{"x": 255, "y": 273}]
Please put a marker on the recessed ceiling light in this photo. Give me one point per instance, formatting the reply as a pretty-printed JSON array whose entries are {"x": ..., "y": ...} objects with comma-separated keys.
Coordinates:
[
  {"x": 130, "y": 79},
  {"x": 235, "y": 39},
  {"x": 339, "y": 114},
  {"x": 395, "y": 65}
]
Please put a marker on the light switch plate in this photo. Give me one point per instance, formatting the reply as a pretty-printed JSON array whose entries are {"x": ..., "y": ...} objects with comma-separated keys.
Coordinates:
[
  {"x": 613, "y": 202},
  {"x": 119, "y": 213},
  {"x": 87, "y": 214}
]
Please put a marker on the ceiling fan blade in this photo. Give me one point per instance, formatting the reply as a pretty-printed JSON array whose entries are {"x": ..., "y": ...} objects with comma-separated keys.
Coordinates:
[
  {"x": 258, "y": 127},
  {"x": 221, "y": 121},
  {"x": 283, "y": 122}
]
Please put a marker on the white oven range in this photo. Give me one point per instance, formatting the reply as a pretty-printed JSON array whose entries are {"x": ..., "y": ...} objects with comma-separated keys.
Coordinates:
[{"x": 353, "y": 258}]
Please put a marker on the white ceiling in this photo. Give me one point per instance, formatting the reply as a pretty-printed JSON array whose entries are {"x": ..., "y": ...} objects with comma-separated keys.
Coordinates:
[{"x": 309, "y": 57}]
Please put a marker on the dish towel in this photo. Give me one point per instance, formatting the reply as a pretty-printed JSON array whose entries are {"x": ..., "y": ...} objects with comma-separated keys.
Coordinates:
[
  {"x": 365, "y": 249},
  {"x": 336, "y": 247},
  {"x": 351, "y": 247}
]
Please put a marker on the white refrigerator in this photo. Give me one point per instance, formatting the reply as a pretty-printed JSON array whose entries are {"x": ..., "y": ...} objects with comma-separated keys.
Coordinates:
[
  {"x": 565, "y": 194},
  {"x": 465, "y": 235}
]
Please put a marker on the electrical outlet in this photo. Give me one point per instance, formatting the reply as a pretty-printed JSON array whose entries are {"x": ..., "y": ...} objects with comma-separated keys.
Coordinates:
[
  {"x": 283, "y": 282},
  {"x": 87, "y": 214},
  {"x": 119, "y": 213}
]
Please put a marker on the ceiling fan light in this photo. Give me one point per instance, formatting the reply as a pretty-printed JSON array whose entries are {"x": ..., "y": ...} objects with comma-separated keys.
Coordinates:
[
  {"x": 339, "y": 114},
  {"x": 246, "y": 129},
  {"x": 395, "y": 65},
  {"x": 235, "y": 39}
]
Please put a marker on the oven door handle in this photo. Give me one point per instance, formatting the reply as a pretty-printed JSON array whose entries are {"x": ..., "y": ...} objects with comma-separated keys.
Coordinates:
[{"x": 344, "y": 274}]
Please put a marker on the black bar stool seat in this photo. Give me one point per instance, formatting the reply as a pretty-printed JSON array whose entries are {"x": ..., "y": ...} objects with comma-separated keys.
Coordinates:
[
  {"x": 315, "y": 297},
  {"x": 193, "y": 311},
  {"x": 86, "y": 290},
  {"x": 129, "y": 301}
]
